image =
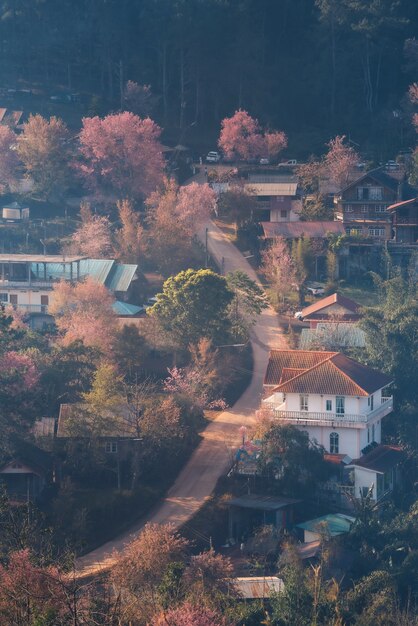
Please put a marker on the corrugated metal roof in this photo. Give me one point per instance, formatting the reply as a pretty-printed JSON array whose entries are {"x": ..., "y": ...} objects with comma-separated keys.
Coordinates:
[
  {"x": 96, "y": 268},
  {"x": 272, "y": 178},
  {"x": 123, "y": 308},
  {"x": 258, "y": 586},
  {"x": 263, "y": 503},
  {"x": 273, "y": 189},
  {"x": 121, "y": 277},
  {"x": 293, "y": 230},
  {"x": 339, "y": 334},
  {"x": 336, "y": 524}
]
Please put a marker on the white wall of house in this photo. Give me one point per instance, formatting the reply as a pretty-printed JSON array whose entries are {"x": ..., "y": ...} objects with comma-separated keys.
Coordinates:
[
  {"x": 318, "y": 403},
  {"x": 363, "y": 480},
  {"x": 349, "y": 441},
  {"x": 284, "y": 215},
  {"x": 25, "y": 297}
]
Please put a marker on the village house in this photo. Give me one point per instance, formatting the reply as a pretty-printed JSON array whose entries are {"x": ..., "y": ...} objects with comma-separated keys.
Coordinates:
[
  {"x": 335, "y": 307},
  {"x": 362, "y": 205},
  {"x": 378, "y": 471},
  {"x": 278, "y": 197},
  {"x": 404, "y": 221},
  {"x": 339, "y": 402},
  {"x": 27, "y": 280},
  {"x": 26, "y": 472}
]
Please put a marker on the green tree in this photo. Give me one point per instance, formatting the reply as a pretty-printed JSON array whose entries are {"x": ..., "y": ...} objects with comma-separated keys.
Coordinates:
[
  {"x": 43, "y": 148},
  {"x": 248, "y": 302},
  {"x": 194, "y": 304},
  {"x": 392, "y": 338}
]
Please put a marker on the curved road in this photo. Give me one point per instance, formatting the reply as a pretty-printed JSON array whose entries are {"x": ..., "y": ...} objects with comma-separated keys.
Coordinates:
[{"x": 209, "y": 461}]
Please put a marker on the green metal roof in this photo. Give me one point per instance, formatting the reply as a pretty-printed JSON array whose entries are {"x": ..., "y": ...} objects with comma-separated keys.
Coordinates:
[
  {"x": 121, "y": 277},
  {"x": 123, "y": 308},
  {"x": 96, "y": 268},
  {"x": 336, "y": 524}
]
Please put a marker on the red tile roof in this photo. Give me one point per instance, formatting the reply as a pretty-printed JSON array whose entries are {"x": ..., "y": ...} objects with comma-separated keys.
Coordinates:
[
  {"x": 330, "y": 373},
  {"x": 335, "y": 298},
  {"x": 381, "y": 459},
  {"x": 293, "y": 230}
]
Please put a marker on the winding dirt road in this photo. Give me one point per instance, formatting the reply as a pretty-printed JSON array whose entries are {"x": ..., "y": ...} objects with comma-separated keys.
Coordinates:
[{"x": 198, "y": 478}]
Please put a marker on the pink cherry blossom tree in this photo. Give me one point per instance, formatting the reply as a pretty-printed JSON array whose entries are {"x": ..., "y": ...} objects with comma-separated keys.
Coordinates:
[
  {"x": 84, "y": 311},
  {"x": 17, "y": 368},
  {"x": 275, "y": 142},
  {"x": 195, "y": 203},
  {"x": 188, "y": 614},
  {"x": 242, "y": 137},
  {"x": 413, "y": 96},
  {"x": 93, "y": 237},
  {"x": 340, "y": 160},
  {"x": 121, "y": 154},
  {"x": 279, "y": 268},
  {"x": 9, "y": 160}
]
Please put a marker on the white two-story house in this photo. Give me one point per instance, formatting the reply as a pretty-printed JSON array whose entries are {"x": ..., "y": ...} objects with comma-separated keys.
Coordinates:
[{"x": 338, "y": 401}]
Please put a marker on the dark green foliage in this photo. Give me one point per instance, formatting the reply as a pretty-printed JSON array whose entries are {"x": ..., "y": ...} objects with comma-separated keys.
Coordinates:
[{"x": 193, "y": 305}]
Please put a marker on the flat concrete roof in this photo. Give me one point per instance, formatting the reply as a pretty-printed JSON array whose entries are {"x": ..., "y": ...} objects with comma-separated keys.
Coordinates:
[{"x": 38, "y": 258}]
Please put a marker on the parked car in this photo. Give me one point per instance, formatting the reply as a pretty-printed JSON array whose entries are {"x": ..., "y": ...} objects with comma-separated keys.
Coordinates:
[
  {"x": 288, "y": 163},
  {"x": 264, "y": 161},
  {"x": 298, "y": 315},
  {"x": 213, "y": 157},
  {"x": 392, "y": 165},
  {"x": 315, "y": 289}
]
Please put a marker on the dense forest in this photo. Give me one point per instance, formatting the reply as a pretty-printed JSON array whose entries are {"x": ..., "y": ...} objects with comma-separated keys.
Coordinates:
[{"x": 314, "y": 68}]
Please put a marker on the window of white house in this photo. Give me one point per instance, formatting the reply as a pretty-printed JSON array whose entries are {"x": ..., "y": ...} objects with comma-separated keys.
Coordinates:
[
  {"x": 283, "y": 213},
  {"x": 4, "y": 297},
  {"x": 368, "y": 435},
  {"x": 13, "y": 299},
  {"x": 340, "y": 405},
  {"x": 334, "y": 443},
  {"x": 373, "y": 433},
  {"x": 111, "y": 447},
  {"x": 328, "y": 405},
  {"x": 303, "y": 402},
  {"x": 370, "y": 402}
]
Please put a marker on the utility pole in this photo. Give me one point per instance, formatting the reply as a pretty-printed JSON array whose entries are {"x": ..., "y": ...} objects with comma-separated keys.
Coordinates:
[
  {"x": 121, "y": 83},
  {"x": 206, "y": 247}
]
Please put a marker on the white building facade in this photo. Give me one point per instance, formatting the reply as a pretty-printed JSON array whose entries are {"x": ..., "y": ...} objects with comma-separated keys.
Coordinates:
[{"x": 340, "y": 403}]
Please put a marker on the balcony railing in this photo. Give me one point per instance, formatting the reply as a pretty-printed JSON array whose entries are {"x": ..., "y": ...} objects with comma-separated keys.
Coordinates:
[
  {"x": 327, "y": 418},
  {"x": 30, "y": 308},
  {"x": 24, "y": 284}
]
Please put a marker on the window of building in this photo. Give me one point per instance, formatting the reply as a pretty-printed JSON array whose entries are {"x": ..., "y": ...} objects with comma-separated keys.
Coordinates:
[
  {"x": 334, "y": 443},
  {"x": 376, "y": 232},
  {"x": 45, "y": 300},
  {"x": 13, "y": 299},
  {"x": 4, "y": 297},
  {"x": 340, "y": 405},
  {"x": 364, "y": 208},
  {"x": 111, "y": 447},
  {"x": 362, "y": 193},
  {"x": 328, "y": 405},
  {"x": 348, "y": 208},
  {"x": 303, "y": 402},
  {"x": 373, "y": 432},
  {"x": 376, "y": 193},
  {"x": 370, "y": 402},
  {"x": 283, "y": 213},
  {"x": 368, "y": 435},
  {"x": 380, "y": 208},
  {"x": 353, "y": 231}
]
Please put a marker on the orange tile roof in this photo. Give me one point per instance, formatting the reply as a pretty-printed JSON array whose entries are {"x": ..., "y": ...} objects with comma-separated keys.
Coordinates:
[
  {"x": 403, "y": 203},
  {"x": 334, "y": 298},
  {"x": 330, "y": 373}
]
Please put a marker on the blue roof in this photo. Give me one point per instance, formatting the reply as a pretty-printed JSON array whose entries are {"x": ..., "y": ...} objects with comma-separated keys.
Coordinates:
[
  {"x": 123, "y": 308},
  {"x": 121, "y": 277},
  {"x": 336, "y": 524}
]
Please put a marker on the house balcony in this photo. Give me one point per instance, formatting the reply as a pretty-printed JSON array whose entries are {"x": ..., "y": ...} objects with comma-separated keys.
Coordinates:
[
  {"x": 334, "y": 420},
  {"x": 27, "y": 284},
  {"x": 32, "y": 308}
]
